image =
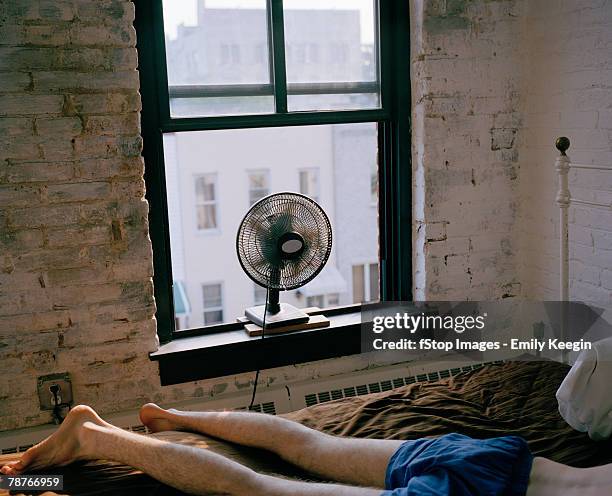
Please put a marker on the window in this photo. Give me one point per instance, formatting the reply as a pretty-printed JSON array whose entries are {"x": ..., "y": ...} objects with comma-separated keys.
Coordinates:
[
  {"x": 317, "y": 93},
  {"x": 259, "y": 185},
  {"x": 206, "y": 203},
  {"x": 230, "y": 54},
  {"x": 323, "y": 301},
  {"x": 309, "y": 183},
  {"x": 365, "y": 283},
  {"x": 212, "y": 299}
]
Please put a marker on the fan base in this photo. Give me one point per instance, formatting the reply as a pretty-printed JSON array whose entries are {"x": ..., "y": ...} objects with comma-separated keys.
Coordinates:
[{"x": 288, "y": 314}]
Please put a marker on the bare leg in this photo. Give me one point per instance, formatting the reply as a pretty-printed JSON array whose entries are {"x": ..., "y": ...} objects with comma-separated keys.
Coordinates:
[
  {"x": 84, "y": 436},
  {"x": 550, "y": 478},
  {"x": 361, "y": 462}
]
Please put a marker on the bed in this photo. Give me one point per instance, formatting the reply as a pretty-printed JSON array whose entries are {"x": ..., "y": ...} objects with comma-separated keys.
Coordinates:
[{"x": 497, "y": 399}]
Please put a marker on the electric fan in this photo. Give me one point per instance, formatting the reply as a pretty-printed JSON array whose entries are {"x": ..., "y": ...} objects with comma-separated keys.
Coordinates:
[{"x": 283, "y": 242}]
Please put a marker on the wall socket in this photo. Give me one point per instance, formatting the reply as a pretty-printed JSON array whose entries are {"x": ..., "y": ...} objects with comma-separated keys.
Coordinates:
[{"x": 61, "y": 384}]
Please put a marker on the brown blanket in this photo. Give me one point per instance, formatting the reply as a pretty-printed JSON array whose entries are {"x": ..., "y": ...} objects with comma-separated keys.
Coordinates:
[{"x": 512, "y": 398}]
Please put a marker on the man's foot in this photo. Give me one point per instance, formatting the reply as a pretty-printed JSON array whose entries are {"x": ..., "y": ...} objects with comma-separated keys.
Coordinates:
[
  {"x": 157, "y": 419},
  {"x": 64, "y": 446}
]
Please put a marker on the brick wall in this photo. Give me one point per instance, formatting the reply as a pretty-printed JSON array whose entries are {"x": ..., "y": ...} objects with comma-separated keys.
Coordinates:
[
  {"x": 466, "y": 75},
  {"x": 75, "y": 257},
  {"x": 568, "y": 92}
]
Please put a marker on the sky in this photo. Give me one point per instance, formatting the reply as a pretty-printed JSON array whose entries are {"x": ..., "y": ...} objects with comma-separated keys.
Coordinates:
[{"x": 185, "y": 11}]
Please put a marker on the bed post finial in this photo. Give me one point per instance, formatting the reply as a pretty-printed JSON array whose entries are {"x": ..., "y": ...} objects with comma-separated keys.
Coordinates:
[{"x": 562, "y": 144}]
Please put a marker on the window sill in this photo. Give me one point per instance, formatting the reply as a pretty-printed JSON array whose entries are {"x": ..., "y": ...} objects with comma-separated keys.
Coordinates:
[{"x": 227, "y": 349}]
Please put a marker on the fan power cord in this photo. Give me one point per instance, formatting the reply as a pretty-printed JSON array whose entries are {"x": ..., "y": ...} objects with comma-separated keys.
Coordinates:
[{"x": 263, "y": 332}]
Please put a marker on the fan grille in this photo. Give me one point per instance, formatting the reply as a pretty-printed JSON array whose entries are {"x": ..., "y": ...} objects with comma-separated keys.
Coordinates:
[{"x": 259, "y": 233}]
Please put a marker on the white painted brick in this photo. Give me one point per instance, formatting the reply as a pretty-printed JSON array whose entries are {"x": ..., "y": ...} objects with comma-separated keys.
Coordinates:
[
  {"x": 83, "y": 81},
  {"x": 19, "y": 195},
  {"x": 605, "y": 119},
  {"x": 120, "y": 35},
  {"x": 14, "y": 81},
  {"x": 77, "y": 192},
  {"x": 16, "y": 126},
  {"x": 56, "y": 10},
  {"x": 113, "y": 103},
  {"x": 11, "y": 34},
  {"x": 27, "y": 172},
  {"x": 127, "y": 123},
  {"x": 32, "y": 105},
  {"x": 108, "y": 168},
  {"x": 19, "y": 58},
  {"x": 47, "y": 34},
  {"x": 59, "y": 126},
  {"x": 33, "y": 217}
]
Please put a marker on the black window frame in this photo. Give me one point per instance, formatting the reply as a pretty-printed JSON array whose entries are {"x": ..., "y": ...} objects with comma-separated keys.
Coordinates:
[{"x": 394, "y": 139}]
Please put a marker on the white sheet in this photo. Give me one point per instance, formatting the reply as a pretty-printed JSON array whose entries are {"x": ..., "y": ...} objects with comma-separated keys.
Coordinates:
[{"x": 585, "y": 396}]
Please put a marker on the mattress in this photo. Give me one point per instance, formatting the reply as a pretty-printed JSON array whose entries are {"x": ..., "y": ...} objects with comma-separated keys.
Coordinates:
[{"x": 498, "y": 399}]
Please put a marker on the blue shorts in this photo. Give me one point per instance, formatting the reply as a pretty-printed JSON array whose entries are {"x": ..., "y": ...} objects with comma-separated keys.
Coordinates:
[{"x": 458, "y": 465}]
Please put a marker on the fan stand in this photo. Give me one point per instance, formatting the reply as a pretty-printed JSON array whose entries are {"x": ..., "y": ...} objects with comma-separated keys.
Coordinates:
[{"x": 279, "y": 314}]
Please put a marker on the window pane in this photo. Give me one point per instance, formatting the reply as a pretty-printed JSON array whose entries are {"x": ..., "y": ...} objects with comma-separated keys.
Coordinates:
[
  {"x": 330, "y": 46},
  {"x": 270, "y": 160},
  {"x": 212, "y": 295},
  {"x": 205, "y": 186},
  {"x": 258, "y": 186},
  {"x": 315, "y": 301},
  {"x": 213, "y": 44},
  {"x": 309, "y": 183},
  {"x": 207, "y": 217},
  {"x": 214, "y": 317},
  {"x": 358, "y": 284},
  {"x": 332, "y": 299},
  {"x": 354, "y": 101}
]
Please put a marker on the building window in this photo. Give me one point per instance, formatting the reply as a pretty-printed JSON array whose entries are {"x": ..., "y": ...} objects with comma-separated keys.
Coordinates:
[
  {"x": 259, "y": 185},
  {"x": 309, "y": 183},
  {"x": 365, "y": 283},
  {"x": 259, "y": 294},
  {"x": 206, "y": 201},
  {"x": 323, "y": 301},
  {"x": 212, "y": 299},
  {"x": 283, "y": 85},
  {"x": 230, "y": 54}
]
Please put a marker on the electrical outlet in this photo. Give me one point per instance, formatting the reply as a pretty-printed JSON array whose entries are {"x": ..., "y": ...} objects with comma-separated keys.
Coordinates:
[{"x": 58, "y": 383}]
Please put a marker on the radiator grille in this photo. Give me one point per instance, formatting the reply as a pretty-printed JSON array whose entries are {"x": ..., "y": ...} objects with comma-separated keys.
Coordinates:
[
  {"x": 268, "y": 407},
  {"x": 386, "y": 385}
]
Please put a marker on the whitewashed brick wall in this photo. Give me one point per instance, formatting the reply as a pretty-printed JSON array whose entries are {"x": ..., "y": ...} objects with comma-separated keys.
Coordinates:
[
  {"x": 466, "y": 74},
  {"x": 567, "y": 92},
  {"x": 75, "y": 259}
]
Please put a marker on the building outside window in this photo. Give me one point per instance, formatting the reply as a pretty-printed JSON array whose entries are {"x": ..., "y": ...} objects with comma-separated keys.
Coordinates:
[
  {"x": 259, "y": 185},
  {"x": 309, "y": 183},
  {"x": 365, "y": 283},
  {"x": 206, "y": 201},
  {"x": 259, "y": 294},
  {"x": 212, "y": 298}
]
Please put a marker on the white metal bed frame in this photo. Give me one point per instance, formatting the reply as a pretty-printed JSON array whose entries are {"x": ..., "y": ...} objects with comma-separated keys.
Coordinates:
[{"x": 564, "y": 199}]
